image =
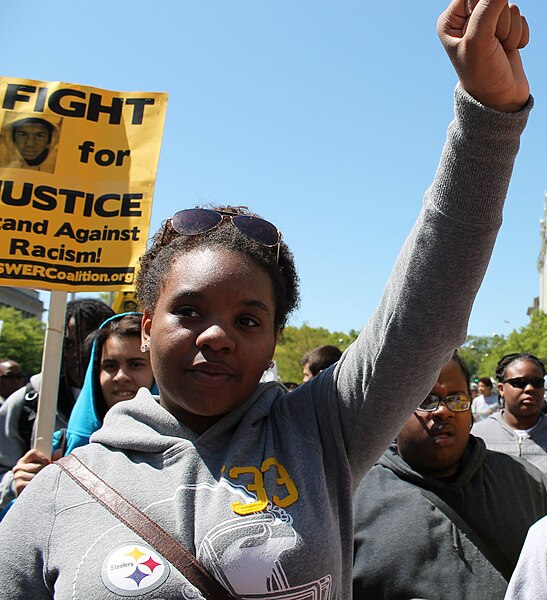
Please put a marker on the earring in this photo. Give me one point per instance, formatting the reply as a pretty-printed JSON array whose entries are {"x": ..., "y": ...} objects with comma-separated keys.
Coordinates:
[
  {"x": 144, "y": 348},
  {"x": 271, "y": 364}
]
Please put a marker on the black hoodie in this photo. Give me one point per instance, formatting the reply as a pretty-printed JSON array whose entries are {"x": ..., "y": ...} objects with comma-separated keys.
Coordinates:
[{"x": 406, "y": 547}]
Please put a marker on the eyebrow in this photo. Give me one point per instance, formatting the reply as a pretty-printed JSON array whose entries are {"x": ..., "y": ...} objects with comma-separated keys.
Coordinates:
[{"x": 251, "y": 303}]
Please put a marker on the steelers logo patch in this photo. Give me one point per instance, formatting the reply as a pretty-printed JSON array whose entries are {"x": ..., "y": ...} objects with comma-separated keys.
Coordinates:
[{"x": 133, "y": 570}]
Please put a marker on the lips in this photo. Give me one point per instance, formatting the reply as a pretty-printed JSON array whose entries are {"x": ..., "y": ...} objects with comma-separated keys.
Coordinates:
[
  {"x": 211, "y": 374},
  {"x": 125, "y": 394},
  {"x": 442, "y": 435},
  {"x": 529, "y": 401}
]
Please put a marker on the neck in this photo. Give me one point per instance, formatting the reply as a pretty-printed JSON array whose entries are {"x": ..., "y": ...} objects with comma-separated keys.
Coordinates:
[{"x": 519, "y": 422}]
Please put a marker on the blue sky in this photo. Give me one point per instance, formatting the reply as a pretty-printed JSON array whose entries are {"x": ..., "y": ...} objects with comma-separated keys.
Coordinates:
[{"x": 326, "y": 118}]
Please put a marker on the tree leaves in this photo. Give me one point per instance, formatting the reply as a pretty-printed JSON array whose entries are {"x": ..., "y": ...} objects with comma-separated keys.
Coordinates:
[{"x": 21, "y": 340}]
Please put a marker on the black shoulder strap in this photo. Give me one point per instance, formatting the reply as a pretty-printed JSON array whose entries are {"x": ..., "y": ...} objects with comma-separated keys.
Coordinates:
[
  {"x": 476, "y": 535},
  {"x": 28, "y": 414}
]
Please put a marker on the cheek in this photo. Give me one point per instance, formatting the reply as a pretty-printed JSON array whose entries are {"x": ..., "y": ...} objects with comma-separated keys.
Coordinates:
[
  {"x": 412, "y": 436},
  {"x": 104, "y": 378},
  {"x": 144, "y": 378}
]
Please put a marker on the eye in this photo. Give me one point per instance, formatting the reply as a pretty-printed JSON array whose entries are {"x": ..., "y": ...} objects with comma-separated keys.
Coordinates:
[
  {"x": 249, "y": 322},
  {"x": 188, "y": 312},
  {"x": 109, "y": 367},
  {"x": 137, "y": 364}
]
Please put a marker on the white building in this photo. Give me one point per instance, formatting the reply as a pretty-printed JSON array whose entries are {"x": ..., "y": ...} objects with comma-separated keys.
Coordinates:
[{"x": 26, "y": 300}]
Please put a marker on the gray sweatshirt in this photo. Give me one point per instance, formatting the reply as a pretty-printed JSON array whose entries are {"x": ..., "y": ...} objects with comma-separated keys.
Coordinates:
[
  {"x": 499, "y": 436},
  {"x": 529, "y": 580},
  {"x": 264, "y": 497}
]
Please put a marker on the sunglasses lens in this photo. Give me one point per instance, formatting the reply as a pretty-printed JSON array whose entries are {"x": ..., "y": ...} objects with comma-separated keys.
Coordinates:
[
  {"x": 522, "y": 382},
  {"x": 257, "y": 229},
  {"x": 194, "y": 221}
]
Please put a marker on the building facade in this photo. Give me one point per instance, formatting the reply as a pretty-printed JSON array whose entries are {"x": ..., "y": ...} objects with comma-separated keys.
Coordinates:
[{"x": 26, "y": 300}]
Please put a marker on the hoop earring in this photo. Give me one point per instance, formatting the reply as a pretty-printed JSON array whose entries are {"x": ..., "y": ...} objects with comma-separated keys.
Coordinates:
[{"x": 144, "y": 348}]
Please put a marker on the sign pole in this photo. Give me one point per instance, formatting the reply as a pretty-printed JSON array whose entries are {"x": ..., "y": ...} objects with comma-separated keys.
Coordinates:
[{"x": 51, "y": 368}]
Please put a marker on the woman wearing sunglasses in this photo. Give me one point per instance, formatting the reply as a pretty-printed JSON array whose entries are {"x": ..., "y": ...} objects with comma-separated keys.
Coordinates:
[
  {"x": 520, "y": 428},
  {"x": 254, "y": 481}
]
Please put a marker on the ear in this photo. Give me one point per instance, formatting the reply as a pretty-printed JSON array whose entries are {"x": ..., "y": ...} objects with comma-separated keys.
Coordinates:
[
  {"x": 500, "y": 389},
  {"x": 146, "y": 325}
]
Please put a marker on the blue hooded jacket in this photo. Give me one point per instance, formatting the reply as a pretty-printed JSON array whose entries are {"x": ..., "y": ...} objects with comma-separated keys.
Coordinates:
[{"x": 85, "y": 419}]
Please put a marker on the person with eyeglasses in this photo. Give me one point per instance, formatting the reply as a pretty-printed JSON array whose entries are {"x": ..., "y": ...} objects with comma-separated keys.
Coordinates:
[
  {"x": 440, "y": 516},
  {"x": 520, "y": 428},
  {"x": 255, "y": 481},
  {"x": 11, "y": 378}
]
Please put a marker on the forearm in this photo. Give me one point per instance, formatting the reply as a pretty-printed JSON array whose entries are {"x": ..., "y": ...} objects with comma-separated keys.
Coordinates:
[{"x": 423, "y": 314}]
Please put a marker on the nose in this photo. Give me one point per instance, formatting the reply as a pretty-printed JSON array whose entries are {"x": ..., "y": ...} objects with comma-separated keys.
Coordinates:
[
  {"x": 532, "y": 390},
  {"x": 217, "y": 338},
  {"x": 121, "y": 375},
  {"x": 442, "y": 411}
]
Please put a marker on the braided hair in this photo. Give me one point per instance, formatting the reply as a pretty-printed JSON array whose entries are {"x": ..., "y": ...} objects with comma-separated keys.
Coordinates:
[
  {"x": 87, "y": 315},
  {"x": 508, "y": 359}
]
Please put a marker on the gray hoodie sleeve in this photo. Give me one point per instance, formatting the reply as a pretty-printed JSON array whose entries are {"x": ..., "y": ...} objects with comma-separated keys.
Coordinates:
[
  {"x": 529, "y": 579},
  {"x": 23, "y": 568},
  {"x": 12, "y": 445},
  {"x": 423, "y": 313}
]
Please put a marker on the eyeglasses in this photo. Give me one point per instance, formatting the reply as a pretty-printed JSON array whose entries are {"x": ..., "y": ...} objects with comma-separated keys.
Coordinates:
[
  {"x": 522, "y": 382},
  {"x": 197, "y": 221},
  {"x": 454, "y": 402}
]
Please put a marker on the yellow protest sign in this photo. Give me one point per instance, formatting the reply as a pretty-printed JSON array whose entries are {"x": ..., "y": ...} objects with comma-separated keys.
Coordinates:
[{"x": 77, "y": 172}]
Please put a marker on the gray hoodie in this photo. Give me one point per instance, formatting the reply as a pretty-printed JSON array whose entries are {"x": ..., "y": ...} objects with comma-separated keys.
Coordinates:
[
  {"x": 406, "y": 547},
  {"x": 499, "y": 436},
  {"x": 264, "y": 497}
]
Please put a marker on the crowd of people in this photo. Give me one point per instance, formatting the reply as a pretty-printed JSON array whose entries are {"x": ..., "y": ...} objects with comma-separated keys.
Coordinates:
[{"x": 379, "y": 476}]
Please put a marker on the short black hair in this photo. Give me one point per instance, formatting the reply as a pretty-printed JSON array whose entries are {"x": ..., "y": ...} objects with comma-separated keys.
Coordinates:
[
  {"x": 465, "y": 369},
  {"x": 320, "y": 358},
  {"x": 16, "y": 125},
  {"x": 486, "y": 381},
  {"x": 508, "y": 359},
  {"x": 167, "y": 245}
]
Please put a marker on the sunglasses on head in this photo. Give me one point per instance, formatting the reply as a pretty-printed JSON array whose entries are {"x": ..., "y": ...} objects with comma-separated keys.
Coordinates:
[
  {"x": 197, "y": 221},
  {"x": 522, "y": 382},
  {"x": 454, "y": 402}
]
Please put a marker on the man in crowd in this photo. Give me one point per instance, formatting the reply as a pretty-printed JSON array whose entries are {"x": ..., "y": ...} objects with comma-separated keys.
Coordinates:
[
  {"x": 318, "y": 359},
  {"x": 11, "y": 378},
  {"x": 440, "y": 516}
]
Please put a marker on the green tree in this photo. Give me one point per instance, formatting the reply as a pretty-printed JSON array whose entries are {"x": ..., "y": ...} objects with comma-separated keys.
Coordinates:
[
  {"x": 530, "y": 338},
  {"x": 21, "y": 340},
  {"x": 482, "y": 353},
  {"x": 296, "y": 341}
]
